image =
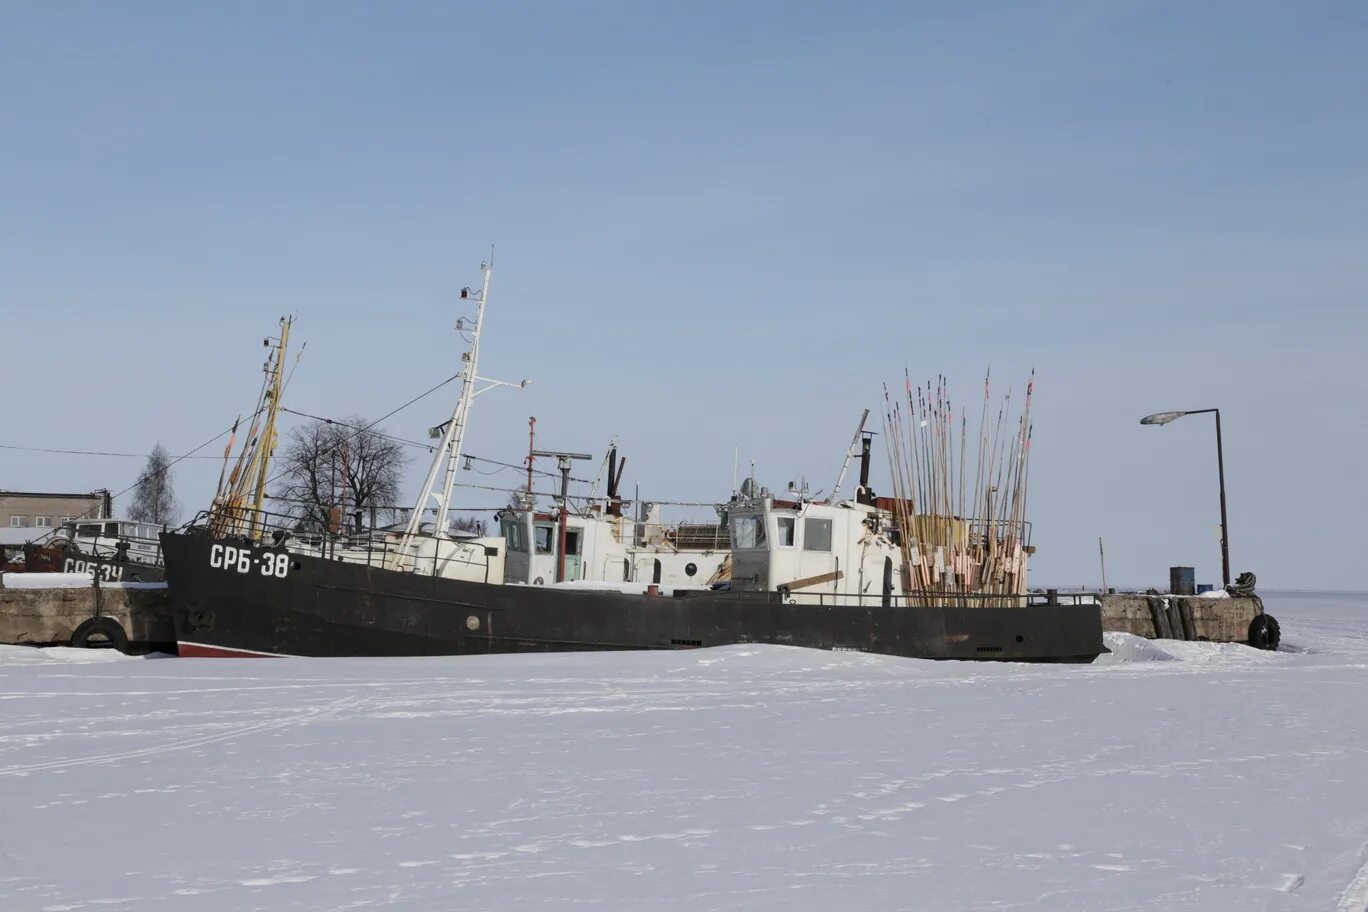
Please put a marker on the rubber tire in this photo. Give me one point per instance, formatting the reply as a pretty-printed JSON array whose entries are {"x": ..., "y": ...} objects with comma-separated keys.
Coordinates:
[
  {"x": 1274, "y": 632},
  {"x": 1264, "y": 632},
  {"x": 105, "y": 627}
]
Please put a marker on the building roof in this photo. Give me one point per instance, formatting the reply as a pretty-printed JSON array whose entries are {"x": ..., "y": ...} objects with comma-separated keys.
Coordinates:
[
  {"x": 22, "y": 535},
  {"x": 55, "y": 496}
]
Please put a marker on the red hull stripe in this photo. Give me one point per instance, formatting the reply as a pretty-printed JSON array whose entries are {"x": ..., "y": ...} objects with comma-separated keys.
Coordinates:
[{"x": 200, "y": 651}]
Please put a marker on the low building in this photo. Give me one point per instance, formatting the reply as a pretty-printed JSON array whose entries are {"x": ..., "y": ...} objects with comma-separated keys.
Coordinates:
[{"x": 41, "y": 511}]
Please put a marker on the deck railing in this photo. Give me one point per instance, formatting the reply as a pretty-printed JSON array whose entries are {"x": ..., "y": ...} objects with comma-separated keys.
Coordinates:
[
  {"x": 680, "y": 536},
  {"x": 365, "y": 546}
]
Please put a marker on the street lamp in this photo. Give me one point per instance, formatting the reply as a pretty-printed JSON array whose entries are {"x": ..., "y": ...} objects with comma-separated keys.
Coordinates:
[{"x": 1162, "y": 418}]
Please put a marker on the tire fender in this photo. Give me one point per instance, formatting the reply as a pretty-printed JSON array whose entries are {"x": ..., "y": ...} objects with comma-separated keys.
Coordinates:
[
  {"x": 1264, "y": 632},
  {"x": 100, "y": 628}
]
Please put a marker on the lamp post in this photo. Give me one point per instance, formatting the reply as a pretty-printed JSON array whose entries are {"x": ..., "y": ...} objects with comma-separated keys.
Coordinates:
[{"x": 1162, "y": 418}]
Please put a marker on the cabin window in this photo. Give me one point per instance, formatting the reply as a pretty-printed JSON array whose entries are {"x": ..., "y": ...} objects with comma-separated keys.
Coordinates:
[
  {"x": 786, "y": 530},
  {"x": 112, "y": 529},
  {"x": 545, "y": 537},
  {"x": 88, "y": 530},
  {"x": 515, "y": 533},
  {"x": 816, "y": 534},
  {"x": 747, "y": 532}
]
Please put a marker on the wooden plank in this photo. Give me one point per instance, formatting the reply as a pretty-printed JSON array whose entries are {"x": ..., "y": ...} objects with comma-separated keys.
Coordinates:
[{"x": 814, "y": 580}]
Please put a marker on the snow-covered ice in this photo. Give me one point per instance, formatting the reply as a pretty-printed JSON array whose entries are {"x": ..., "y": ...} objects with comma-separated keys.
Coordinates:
[{"x": 1167, "y": 776}]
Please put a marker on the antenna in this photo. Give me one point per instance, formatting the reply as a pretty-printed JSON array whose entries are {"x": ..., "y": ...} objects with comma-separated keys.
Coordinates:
[
  {"x": 609, "y": 459},
  {"x": 850, "y": 454},
  {"x": 1102, "y": 556},
  {"x": 531, "y": 446},
  {"x": 563, "y": 462}
]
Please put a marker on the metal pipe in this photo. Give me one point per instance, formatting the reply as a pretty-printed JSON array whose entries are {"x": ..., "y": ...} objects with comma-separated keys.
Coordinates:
[{"x": 1220, "y": 468}]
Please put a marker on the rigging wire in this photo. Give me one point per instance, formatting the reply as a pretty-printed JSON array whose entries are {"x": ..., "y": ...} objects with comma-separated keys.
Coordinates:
[
  {"x": 166, "y": 468},
  {"x": 390, "y": 414},
  {"x": 6, "y": 446},
  {"x": 503, "y": 466},
  {"x": 339, "y": 423}
]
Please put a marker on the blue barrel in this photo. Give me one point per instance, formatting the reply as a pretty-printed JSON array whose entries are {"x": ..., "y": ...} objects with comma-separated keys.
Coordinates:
[{"x": 1182, "y": 581}]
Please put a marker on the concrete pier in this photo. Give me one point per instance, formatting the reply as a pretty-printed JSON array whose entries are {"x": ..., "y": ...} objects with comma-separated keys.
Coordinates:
[
  {"x": 1180, "y": 617},
  {"x": 50, "y": 617}
]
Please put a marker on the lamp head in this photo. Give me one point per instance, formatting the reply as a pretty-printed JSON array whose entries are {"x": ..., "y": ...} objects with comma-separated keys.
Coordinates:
[{"x": 1162, "y": 417}]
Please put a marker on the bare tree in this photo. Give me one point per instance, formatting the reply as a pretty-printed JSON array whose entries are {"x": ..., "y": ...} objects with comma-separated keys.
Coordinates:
[
  {"x": 331, "y": 469},
  {"x": 518, "y": 498},
  {"x": 468, "y": 524},
  {"x": 153, "y": 498}
]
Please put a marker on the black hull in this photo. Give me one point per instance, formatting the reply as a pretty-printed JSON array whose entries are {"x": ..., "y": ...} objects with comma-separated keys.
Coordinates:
[
  {"x": 328, "y": 608},
  {"x": 108, "y": 567}
]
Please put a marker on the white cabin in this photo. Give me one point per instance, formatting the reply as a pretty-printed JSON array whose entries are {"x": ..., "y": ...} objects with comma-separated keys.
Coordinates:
[
  {"x": 813, "y": 551},
  {"x": 105, "y": 536},
  {"x": 612, "y": 549}
]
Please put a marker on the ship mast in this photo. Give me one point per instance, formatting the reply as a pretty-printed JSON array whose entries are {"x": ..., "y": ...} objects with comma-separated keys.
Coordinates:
[
  {"x": 268, "y": 435},
  {"x": 441, "y": 476},
  {"x": 229, "y": 513}
]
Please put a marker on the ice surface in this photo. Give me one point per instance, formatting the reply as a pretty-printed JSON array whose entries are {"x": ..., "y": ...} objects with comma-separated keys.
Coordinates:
[{"x": 1170, "y": 776}]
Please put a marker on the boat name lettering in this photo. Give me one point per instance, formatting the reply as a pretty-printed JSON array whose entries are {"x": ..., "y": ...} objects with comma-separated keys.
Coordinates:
[
  {"x": 107, "y": 572},
  {"x": 227, "y": 557}
]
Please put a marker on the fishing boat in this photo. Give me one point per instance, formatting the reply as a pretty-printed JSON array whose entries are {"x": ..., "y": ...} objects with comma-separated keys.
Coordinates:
[
  {"x": 112, "y": 550},
  {"x": 244, "y": 582}
]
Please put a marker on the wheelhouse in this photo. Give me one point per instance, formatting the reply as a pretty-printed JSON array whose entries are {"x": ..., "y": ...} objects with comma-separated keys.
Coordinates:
[{"x": 599, "y": 547}]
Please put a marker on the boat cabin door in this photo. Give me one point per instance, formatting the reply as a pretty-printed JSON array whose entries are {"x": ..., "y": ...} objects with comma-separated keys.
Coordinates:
[{"x": 574, "y": 539}]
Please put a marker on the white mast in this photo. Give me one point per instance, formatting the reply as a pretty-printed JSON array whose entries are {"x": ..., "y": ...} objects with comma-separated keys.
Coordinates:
[{"x": 446, "y": 461}]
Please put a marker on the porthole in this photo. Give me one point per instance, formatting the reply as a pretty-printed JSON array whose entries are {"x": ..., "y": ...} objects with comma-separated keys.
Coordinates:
[
  {"x": 690, "y": 569},
  {"x": 472, "y": 623}
]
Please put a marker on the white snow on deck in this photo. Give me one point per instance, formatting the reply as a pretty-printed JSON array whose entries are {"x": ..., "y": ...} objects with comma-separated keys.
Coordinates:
[
  {"x": 1169, "y": 776},
  {"x": 65, "y": 581},
  {"x": 46, "y": 580}
]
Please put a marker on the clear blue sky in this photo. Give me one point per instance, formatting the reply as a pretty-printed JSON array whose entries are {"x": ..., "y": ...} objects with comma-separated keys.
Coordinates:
[{"x": 718, "y": 225}]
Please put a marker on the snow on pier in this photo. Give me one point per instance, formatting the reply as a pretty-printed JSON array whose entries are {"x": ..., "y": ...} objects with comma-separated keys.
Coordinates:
[{"x": 1169, "y": 775}]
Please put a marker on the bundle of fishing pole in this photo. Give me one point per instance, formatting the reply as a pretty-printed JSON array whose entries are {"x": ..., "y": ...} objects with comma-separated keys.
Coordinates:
[{"x": 959, "y": 503}]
